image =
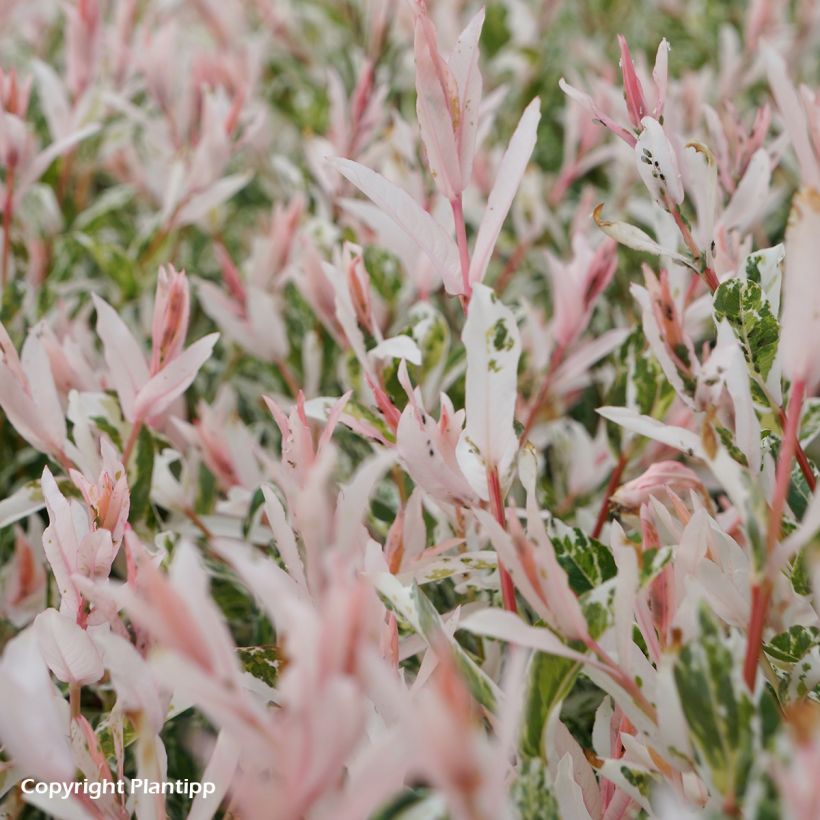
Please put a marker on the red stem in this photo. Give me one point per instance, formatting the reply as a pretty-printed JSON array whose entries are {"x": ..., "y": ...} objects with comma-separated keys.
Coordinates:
[
  {"x": 761, "y": 594},
  {"x": 497, "y": 504},
  {"x": 8, "y": 209},
  {"x": 614, "y": 481},
  {"x": 461, "y": 239}
]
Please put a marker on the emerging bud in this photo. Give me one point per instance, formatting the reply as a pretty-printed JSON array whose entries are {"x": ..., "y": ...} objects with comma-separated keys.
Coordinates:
[{"x": 633, "y": 91}]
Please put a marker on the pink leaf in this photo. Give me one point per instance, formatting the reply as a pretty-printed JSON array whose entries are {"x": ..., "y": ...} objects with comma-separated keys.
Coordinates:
[
  {"x": 463, "y": 64},
  {"x": 437, "y": 107}
]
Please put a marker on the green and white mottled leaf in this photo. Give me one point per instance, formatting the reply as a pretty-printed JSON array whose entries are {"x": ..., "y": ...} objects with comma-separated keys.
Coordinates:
[{"x": 744, "y": 305}]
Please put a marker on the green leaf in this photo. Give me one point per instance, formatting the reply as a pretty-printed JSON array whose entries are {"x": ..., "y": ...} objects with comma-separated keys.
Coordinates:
[
  {"x": 105, "y": 426},
  {"x": 744, "y": 305},
  {"x": 413, "y": 804},
  {"x": 141, "y": 488},
  {"x": 790, "y": 646},
  {"x": 113, "y": 261},
  {"x": 257, "y": 499},
  {"x": 105, "y": 737},
  {"x": 549, "y": 680},
  {"x": 260, "y": 661},
  {"x": 800, "y": 494}
]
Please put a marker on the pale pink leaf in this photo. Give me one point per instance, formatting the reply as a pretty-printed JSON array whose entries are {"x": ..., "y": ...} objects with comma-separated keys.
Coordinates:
[
  {"x": 174, "y": 379},
  {"x": 751, "y": 195},
  {"x": 437, "y": 108},
  {"x": 800, "y": 319},
  {"x": 635, "y": 238},
  {"x": 33, "y": 732},
  {"x": 202, "y": 203},
  {"x": 463, "y": 64},
  {"x": 127, "y": 367},
  {"x": 508, "y": 178},
  {"x": 37, "y": 367},
  {"x": 219, "y": 772},
  {"x": 40, "y": 163},
  {"x": 794, "y": 117},
  {"x": 67, "y": 648},
  {"x": 283, "y": 534},
  {"x": 428, "y": 236},
  {"x": 131, "y": 677}
]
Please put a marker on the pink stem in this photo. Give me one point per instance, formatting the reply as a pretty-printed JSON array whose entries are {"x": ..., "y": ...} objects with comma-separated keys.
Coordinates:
[
  {"x": 784, "y": 463},
  {"x": 461, "y": 239},
  {"x": 132, "y": 440},
  {"x": 497, "y": 504},
  {"x": 762, "y": 588}
]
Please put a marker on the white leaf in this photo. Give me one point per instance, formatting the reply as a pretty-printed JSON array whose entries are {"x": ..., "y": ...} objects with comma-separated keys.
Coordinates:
[
  {"x": 493, "y": 347},
  {"x": 397, "y": 347},
  {"x": 657, "y": 164},
  {"x": 800, "y": 321},
  {"x": 635, "y": 238}
]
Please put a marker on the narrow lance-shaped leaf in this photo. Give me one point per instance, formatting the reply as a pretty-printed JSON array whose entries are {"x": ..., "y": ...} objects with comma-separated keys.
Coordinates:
[
  {"x": 438, "y": 110},
  {"x": 463, "y": 64},
  {"x": 510, "y": 172}
]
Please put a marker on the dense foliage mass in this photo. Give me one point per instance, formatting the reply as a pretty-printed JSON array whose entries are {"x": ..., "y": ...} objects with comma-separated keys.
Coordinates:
[{"x": 409, "y": 410}]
